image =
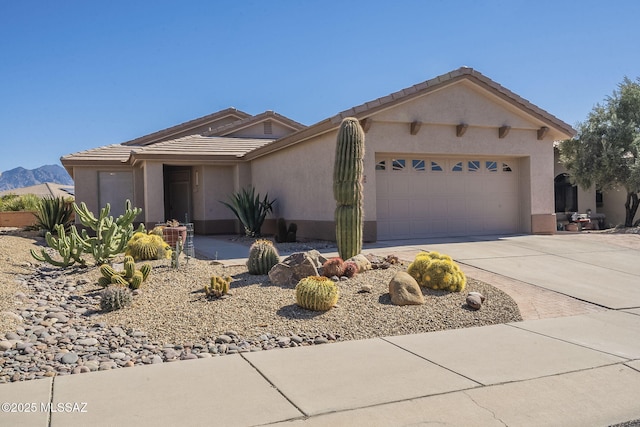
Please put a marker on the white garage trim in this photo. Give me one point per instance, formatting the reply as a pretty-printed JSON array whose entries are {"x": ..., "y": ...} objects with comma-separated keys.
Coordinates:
[{"x": 422, "y": 196}]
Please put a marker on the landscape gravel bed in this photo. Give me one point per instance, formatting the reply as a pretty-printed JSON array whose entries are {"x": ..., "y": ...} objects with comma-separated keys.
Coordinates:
[{"x": 52, "y": 323}]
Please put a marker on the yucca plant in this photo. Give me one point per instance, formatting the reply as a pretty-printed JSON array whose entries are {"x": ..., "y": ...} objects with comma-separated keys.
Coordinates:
[
  {"x": 250, "y": 210},
  {"x": 52, "y": 211}
]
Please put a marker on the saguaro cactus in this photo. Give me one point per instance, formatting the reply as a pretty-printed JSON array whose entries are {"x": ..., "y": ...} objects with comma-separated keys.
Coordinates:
[{"x": 347, "y": 187}]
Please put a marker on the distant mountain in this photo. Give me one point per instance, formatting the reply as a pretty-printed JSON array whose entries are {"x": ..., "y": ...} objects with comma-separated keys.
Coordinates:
[{"x": 21, "y": 177}]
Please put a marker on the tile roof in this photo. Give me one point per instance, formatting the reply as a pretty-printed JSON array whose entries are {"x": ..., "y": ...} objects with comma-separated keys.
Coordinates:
[
  {"x": 191, "y": 124},
  {"x": 188, "y": 146},
  {"x": 200, "y": 146},
  {"x": 419, "y": 89},
  {"x": 46, "y": 189},
  {"x": 246, "y": 122},
  {"x": 369, "y": 108}
]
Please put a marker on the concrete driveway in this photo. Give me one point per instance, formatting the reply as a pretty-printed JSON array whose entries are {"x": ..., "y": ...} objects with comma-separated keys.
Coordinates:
[{"x": 602, "y": 269}]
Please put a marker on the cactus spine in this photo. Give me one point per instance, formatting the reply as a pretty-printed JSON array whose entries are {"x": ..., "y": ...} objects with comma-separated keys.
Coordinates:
[
  {"x": 262, "y": 256},
  {"x": 316, "y": 293},
  {"x": 347, "y": 187}
]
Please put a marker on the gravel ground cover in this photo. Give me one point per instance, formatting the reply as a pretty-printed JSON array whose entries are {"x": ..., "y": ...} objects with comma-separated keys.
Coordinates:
[{"x": 51, "y": 323}]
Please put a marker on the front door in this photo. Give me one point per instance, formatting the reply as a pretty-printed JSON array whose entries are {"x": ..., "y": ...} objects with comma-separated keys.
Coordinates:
[{"x": 177, "y": 203}]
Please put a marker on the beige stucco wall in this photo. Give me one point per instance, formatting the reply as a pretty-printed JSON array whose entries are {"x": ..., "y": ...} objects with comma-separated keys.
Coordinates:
[
  {"x": 85, "y": 182},
  {"x": 613, "y": 206},
  {"x": 301, "y": 176},
  {"x": 153, "y": 192},
  {"x": 216, "y": 184}
]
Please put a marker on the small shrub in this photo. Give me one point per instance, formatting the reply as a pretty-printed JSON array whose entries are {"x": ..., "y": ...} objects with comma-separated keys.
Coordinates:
[{"x": 15, "y": 203}]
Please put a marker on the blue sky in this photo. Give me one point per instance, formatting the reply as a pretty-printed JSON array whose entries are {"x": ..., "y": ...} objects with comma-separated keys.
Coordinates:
[{"x": 80, "y": 74}]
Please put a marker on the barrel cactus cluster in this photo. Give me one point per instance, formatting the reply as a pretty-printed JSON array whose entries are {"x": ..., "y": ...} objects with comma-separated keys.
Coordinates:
[
  {"x": 348, "y": 175},
  {"x": 130, "y": 277},
  {"x": 317, "y": 293},
  {"x": 336, "y": 267},
  {"x": 437, "y": 271},
  {"x": 143, "y": 246},
  {"x": 217, "y": 286},
  {"x": 262, "y": 257}
]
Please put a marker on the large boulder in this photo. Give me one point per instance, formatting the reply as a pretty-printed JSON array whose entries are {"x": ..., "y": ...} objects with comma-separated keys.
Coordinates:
[
  {"x": 404, "y": 290},
  {"x": 295, "y": 267}
]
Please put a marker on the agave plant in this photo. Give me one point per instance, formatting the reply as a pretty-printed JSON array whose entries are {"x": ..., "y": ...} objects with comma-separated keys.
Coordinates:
[
  {"x": 250, "y": 210},
  {"x": 52, "y": 211}
]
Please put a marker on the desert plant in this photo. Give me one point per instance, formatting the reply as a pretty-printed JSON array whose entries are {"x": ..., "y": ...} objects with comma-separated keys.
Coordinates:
[
  {"x": 217, "y": 286},
  {"x": 143, "y": 246},
  {"x": 333, "y": 267},
  {"x": 250, "y": 210},
  {"x": 347, "y": 187},
  {"x": 129, "y": 277},
  {"x": 52, "y": 211},
  {"x": 316, "y": 293},
  {"x": 15, "y": 203},
  {"x": 262, "y": 256},
  {"x": 436, "y": 271},
  {"x": 115, "y": 298},
  {"x": 111, "y": 236},
  {"x": 286, "y": 234},
  {"x": 350, "y": 269},
  {"x": 69, "y": 247}
]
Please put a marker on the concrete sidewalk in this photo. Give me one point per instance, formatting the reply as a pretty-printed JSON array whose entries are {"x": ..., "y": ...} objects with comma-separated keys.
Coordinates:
[{"x": 577, "y": 370}]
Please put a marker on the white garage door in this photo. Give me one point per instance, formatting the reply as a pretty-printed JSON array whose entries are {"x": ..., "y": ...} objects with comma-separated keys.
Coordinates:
[{"x": 431, "y": 197}]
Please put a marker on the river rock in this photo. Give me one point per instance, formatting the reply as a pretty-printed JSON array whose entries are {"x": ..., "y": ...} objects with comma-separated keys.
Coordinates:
[
  {"x": 474, "y": 302},
  {"x": 404, "y": 290}
]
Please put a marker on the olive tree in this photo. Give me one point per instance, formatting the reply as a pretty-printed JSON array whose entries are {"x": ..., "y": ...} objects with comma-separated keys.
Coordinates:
[{"x": 606, "y": 148}]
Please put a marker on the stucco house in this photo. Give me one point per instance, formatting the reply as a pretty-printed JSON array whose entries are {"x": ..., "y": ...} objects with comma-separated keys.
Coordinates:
[
  {"x": 455, "y": 155},
  {"x": 573, "y": 198}
]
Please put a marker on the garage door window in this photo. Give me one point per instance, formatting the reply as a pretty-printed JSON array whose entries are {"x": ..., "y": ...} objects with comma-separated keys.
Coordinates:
[
  {"x": 435, "y": 167},
  {"x": 418, "y": 165},
  {"x": 381, "y": 165},
  {"x": 398, "y": 164},
  {"x": 491, "y": 166},
  {"x": 457, "y": 167},
  {"x": 473, "y": 165},
  {"x": 506, "y": 168}
]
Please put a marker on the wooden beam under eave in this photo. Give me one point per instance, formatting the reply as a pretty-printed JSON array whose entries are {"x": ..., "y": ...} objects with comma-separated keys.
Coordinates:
[
  {"x": 366, "y": 124},
  {"x": 415, "y": 127},
  {"x": 461, "y": 129},
  {"x": 542, "y": 132},
  {"x": 503, "y": 131}
]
